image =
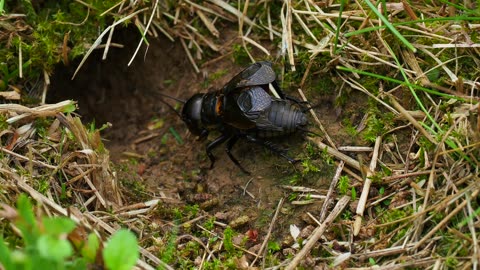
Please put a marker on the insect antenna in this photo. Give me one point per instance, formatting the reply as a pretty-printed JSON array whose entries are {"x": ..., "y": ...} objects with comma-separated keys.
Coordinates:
[
  {"x": 170, "y": 97},
  {"x": 170, "y": 106}
]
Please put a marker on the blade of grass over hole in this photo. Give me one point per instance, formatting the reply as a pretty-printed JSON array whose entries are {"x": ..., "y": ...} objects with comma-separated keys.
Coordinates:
[
  {"x": 99, "y": 39},
  {"x": 2, "y": 4},
  {"x": 145, "y": 31},
  {"x": 339, "y": 22},
  {"x": 430, "y": 91},
  {"x": 176, "y": 135},
  {"x": 375, "y": 28},
  {"x": 390, "y": 26}
]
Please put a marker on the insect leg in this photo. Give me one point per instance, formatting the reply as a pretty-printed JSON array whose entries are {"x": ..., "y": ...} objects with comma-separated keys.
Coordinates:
[
  {"x": 272, "y": 147},
  {"x": 214, "y": 144},
  {"x": 228, "y": 149}
]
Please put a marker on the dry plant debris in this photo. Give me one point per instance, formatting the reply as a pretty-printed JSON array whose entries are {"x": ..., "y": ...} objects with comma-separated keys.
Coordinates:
[{"x": 416, "y": 65}]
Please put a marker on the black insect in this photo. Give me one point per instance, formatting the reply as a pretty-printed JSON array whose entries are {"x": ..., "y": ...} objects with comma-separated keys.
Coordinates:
[{"x": 243, "y": 108}]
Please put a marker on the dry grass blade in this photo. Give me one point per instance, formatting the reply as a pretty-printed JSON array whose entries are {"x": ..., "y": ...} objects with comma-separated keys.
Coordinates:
[
  {"x": 267, "y": 237},
  {"x": 232, "y": 10},
  {"x": 287, "y": 40},
  {"x": 341, "y": 204},
  {"x": 348, "y": 160},
  {"x": 333, "y": 185},
  {"x": 20, "y": 111},
  {"x": 100, "y": 37},
  {"x": 144, "y": 32}
]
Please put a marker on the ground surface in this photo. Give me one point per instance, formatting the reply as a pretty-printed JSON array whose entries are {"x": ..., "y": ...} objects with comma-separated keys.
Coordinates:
[{"x": 110, "y": 91}]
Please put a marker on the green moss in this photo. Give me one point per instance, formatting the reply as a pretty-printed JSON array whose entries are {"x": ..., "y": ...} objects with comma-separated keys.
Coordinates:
[
  {"x": 50, "y": 23},
  {"x": 378, "y": 124},
  {"x": 3, "y": 122},
  {"x": 240, "y": 56}
]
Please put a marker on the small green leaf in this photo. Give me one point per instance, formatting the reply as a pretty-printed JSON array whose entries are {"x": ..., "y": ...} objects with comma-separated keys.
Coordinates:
[
  {"x": 5, "y": 256},
  {"x": 354, "y": 194},
  {"x": 26, "y": 223},
  {"x": 56, "y": 226},
  {"x": 176, "y": 135},
  {"x": 121, "y": 251},
  {"x": 89, "y": 251},
  {"x": 54, "y": 248},
  {"x": 70, "y": 108}
]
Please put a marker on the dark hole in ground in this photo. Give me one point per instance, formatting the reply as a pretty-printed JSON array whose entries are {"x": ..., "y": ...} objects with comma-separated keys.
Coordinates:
[{"x": 110, "y": 91}]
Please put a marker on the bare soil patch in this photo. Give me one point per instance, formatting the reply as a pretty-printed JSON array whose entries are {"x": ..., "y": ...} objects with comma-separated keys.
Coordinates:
[{"x": 110, "y": 91}]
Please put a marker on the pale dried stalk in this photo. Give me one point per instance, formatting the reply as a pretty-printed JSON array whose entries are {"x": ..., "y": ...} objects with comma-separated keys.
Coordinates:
[
  {"x": 10, "y": 95},
  {"x": 189, "y": 55},
  {"x": 287, "y": 43},
  {"x": 36, "y": 162},
  {"x": 211, "y": 11},
  {"x": 110, "y": 35},
  {"x": 312, "y": 112},
  {"x": 232, "y": 10},
  {"x": 354, "y": 84},
  {"x": 299, "y": 188},
  {"x": 40, "y": 111},
  {"x": 412, "y": 120},
  {"x": 94, "y": 189},
  {"x": 366, "y": 187},
  {"x": 341, "y": 204},
  {"x": 269, "y": 233},
  {"x": 254, "y": 43},
  {"x": 444, "y": 221},
  {"x": 348, "y": 160},
  {"x": 333, "y": 185},
  {"x": 20, "y": 58},
  {"x": 305, "y": 27},
  {"x": 144, "y": 34},
  {"x": 99, "y": 39},
  {"x": 355, "y": 148},
  {"x": 208, "y": 23},
  {"x": 383, "y": 252},
  {"x": 450, "y": 74}
]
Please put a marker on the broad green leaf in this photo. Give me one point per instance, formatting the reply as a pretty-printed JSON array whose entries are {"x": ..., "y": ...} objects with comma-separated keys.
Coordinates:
[
  {"x": 5, "y": 256},
  {"x": 89, "y": 251},
  {"x": 121, "y": 251},
  {"x": 54, "y": 248},
  {"x": 26, "y": 222},
  {"x": 56, "y": 226}
]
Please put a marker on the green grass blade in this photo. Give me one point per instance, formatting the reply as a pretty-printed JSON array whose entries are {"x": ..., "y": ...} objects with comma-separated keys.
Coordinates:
[
  {"x": 375, "y": 28},
  {"x": 390, "y": 26},
  {"x": 339, "y": 23},
  {"x": 427, "y": 90}
]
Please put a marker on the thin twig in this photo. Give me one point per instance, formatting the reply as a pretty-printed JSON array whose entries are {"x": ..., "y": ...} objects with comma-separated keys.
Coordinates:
[{"x": 341, "y": 204}]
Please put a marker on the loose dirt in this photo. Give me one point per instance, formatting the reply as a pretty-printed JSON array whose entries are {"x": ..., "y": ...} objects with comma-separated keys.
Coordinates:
[{"x": 151, "y": 161}]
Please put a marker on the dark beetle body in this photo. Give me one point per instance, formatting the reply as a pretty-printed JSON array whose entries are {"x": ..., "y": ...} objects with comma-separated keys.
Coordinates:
[{"x": 243, "y": 108}]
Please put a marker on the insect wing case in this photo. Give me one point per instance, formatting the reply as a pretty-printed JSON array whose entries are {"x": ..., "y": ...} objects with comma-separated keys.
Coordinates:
[{"x": 259, "y": 73}]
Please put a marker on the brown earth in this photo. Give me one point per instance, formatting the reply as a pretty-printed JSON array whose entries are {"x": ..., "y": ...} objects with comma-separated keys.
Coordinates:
[{"x": 110, "y": 91}]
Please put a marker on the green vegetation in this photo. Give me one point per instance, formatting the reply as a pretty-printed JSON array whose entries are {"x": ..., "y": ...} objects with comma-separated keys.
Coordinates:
[
  {"x": 52, "y": 32},
  {"x": 52, "y": 243}
]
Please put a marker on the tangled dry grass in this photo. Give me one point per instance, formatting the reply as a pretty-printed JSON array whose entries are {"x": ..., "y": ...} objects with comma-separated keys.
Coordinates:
[{"x": 417, "y": 64}]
